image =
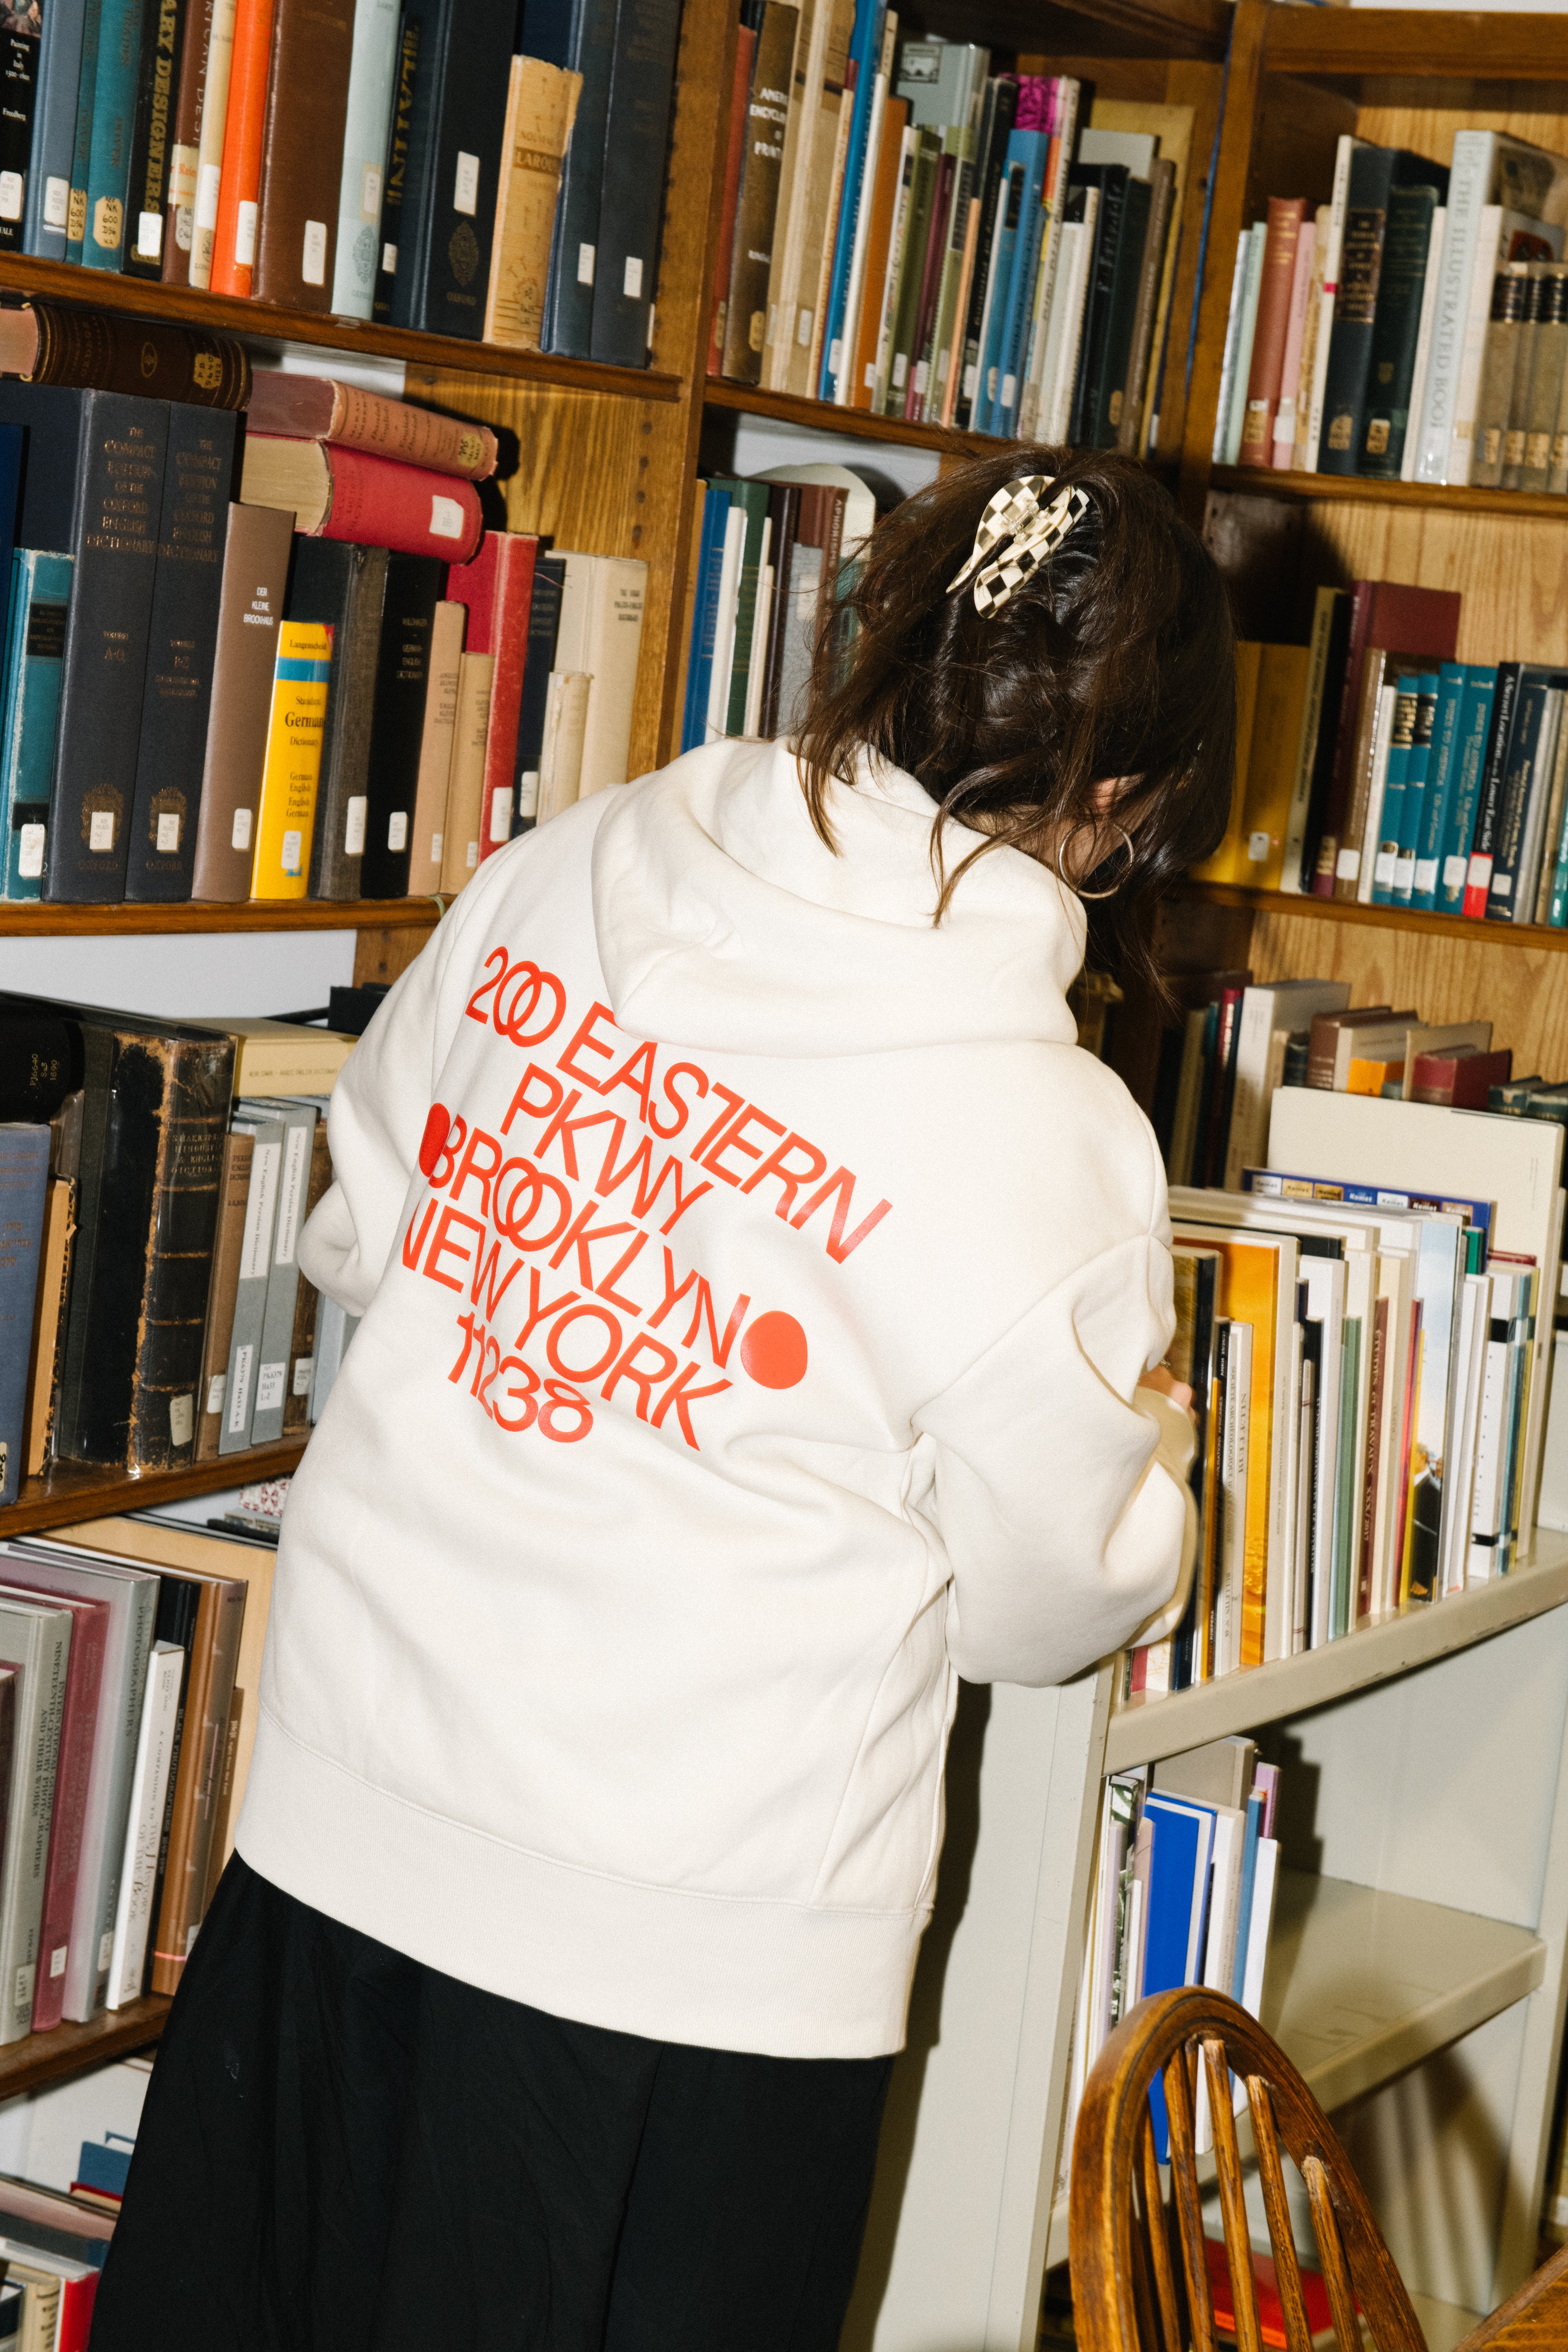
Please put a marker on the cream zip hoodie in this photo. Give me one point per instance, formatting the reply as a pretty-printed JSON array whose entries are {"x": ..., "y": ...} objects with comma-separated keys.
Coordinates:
[{"x": 755, "y": 1281}]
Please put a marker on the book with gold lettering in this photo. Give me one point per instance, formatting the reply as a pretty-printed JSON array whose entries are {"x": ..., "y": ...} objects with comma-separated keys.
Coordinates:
[{"x": 540, "y": 108}]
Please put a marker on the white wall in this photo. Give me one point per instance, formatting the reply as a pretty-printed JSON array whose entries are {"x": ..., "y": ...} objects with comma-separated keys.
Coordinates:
[{"x": 211, "y": 973}]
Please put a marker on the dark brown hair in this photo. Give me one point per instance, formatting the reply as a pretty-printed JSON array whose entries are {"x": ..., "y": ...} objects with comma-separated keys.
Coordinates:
[{"x": 1115, "y": 658}]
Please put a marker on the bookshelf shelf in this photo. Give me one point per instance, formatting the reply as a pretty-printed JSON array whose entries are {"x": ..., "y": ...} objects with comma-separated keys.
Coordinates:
[
  {"x": 138, "y": 298},
  {"x": 1388, "y": 918},
  {"x": 44, "y": 2058},
  {"x": 83, "y": 1490},
  {"x": 1421, "y": 497},
  {"x": 858, "y": 424},
  {"x": 1384, "y": 44},
  {"x": 1361, "y": 1985},
  {"x": 37, "y": 920},
  {"x": 1147, "y": 1729}
]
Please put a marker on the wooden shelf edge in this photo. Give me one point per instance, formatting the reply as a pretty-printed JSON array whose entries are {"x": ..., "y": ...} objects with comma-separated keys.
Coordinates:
[
  {"x": 1388, "y": 918},
  {"x": 72, "y": 1491},
  {"x": 1435, "y": 44},
  {"x": 1144, "y": 1731},
  {"x": 1355, "y": 490},
  {"x": 854, "y": 423},
  {"x": 138, "y": 298},
  {"x": 1171, "y": 28},
  {"x": 44, "y": 2058},
  {"x": 34, "y": 920}
]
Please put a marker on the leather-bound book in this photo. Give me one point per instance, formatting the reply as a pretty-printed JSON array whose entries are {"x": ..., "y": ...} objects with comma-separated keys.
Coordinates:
[
  {"x": 93, "y": 487},
  {"x": 337, "y": 493},
  {"x": 541, "y": 107},
  {"x": 255, "y": 572},
  {"x": 303, "y": 153},
  {"x": 19, "y": 67},
  {"x": 1286, "y": 214},
  {"x": 182, "y": 634},
  {"x": 307, "y": 1298},
  {"x": 209, "y": 1697},
  {"x": 239, "y": 185},
  {"x": 415, "y": 585},
  {"x": 151, "y": 144},
  {"x": 93, "y": 350},
  {"x": 345, "y": 586},
  {"x": 185, "y": 143},
  {"x": 454, "y": 164},
  {"x": 746, "y": 310},
  {"x": 228, "y": 1243},
  {"x": 497, "y": 589},
  {"x": 319, "y": 408}
]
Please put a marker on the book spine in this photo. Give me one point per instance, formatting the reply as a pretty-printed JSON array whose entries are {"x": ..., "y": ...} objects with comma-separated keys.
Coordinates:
[
  {"x": 767, "y": 119},
  {"x": 1419, "y": 780},
  {"x": 1228, "y": 362},
  {"x": 1355, "y": 313},
  {"x": 1235, "y": 414},
  {"x": 734, "y": 160},
  {"x": 415, "y": 584},
  {"x": 113, "y": 121},
  {"x": 903, "y": 198},
  {"x": 118, "y": 500},
  {"x": 84, "y": 1679},
  {"x": 41, "y": 606},
  {"x": 1546, "y": 380},
  {"x": 48, "y": 208},
  {"x": 171, "y": 1238},
  {"x": 1390, "y": 819},
  {"x": 574, "y": 258},
  {"x": 234, "y": 231},
  {"x": 300, "y": 180},
  {"x": 432, "y": 790},
  {"x": 514, "y": 598},
  {"x": 1469, "y": 176},
  {"x": 1294, "y": 364},
  {"x": 988, "y": 189},
  {"x": 1514, "y": 460},
  {"x": 24, "y": 1199},
  {"x": 378, "y": 502},
  {"x": 1334, "y": 249},
  {"x": 831, "y": 106},
  {"x": 185, "y": 149},
  {"x": 19, "y": 58},
  {"x": 251, "y": 605},
  {"x": 443, "y": 291},
  {"x": 1396, "y": 331},
  {"x": 864, "y": 50},
  {"x": 367, "y": 117},
  {"x": 1103, "y": 422},
  {"x": 213, "y": 131},
  {"x": 1513, "y": 799},
  {"x": 466, "y": 788},
  {"x": 149, "y": 1788},
  {"x": 163, "y": 35},
  {"x": 1281, "y": 240},
  {"x": 250, "y": 1286},
  {"x": 182, "y": 640},
  {"x": 166, "y": 1952},
  {"x": 307, "y": 1300},
  {"x": 81, "y": 144},
  {"x": 1483, "y": 848},
  {"x": 283, "y": 1275},
  {"x": 405, "y": 103},
  {"x": 347, "y": 592},
  {"x": 1459, "y": 828},
  {"x": 917, "y": 373},
  {"x": 607, "y": 625},
  {"x": 233, "y": 1192},
  {"x": 543, "y": 624},
  {"x": 297, "y": 724},
  {"x": 39, "y": 1708},
  {"x": 92, "y": 350},
  {"x": 1130, "y": 426},
  {"x": 1494, "y": 392}
]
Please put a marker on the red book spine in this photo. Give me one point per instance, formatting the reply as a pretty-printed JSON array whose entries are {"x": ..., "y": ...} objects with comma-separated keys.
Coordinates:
[
  {"x": 79, "y": 1724},
  {"x": 377, "y": 503},
  {"x": 234, "y": 240},
  {"x": 514, "y": 604},
  {"x": 77, "y": 2297},
  {"x": 474, "y": 585},
  {"x": 740, "y": 103}
]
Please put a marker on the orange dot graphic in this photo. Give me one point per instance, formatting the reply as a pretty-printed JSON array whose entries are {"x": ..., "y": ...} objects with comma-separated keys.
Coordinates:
[
  {"x": 433, "y": 1142},
  {"x": 772, "y": 1350}
]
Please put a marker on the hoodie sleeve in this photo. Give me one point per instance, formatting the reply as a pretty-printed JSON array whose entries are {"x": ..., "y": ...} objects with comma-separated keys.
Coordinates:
[{"x": 1062, "y": 1504}]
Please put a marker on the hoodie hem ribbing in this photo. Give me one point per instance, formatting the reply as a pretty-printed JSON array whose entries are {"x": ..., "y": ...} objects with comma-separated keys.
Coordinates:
[{"x": 786, "y": 1981}]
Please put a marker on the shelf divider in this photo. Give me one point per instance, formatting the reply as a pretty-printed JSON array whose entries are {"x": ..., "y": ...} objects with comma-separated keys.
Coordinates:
[
  {"x": 69, "y": 1491},
  {"x": 44, "y": 2058},
  {"x": 1359, "y": 489},
  {"x": 35, "y": 919}
]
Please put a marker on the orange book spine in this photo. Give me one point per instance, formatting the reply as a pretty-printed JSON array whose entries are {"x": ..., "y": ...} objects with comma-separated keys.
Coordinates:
[
  {"x": 885, "y": 197},
  {"x": 238, "y": 204}
]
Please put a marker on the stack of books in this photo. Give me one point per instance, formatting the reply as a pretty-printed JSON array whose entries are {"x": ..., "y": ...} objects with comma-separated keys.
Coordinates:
[
  {"x": 1375, "y": 768},
  {"x": 53, "y": 2246},
  {"x": 155, "y": 1177},
  {"x": 907, "y": 232},
  {"x": 438, "y": 166},
  {"x": 1415, "y": 329},
  {"x": 338, "y": 686}
]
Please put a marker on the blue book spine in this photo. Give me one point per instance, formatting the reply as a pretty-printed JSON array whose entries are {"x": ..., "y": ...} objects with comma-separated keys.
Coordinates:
[
  {"x": 372, "y": 70},
  {"x": 1386, "y": 854},
  {"x": 1250, "y": 1838},
  {"x": 1171, "y": 1869},
  {"x": 81, "y": 143},
  {"x": 1475, "y": 731},
  {"x": 24, "y": 1190},
  {"x": 1439, "y": 799},
  {"x": 53, "y": 132},
  {"x": 1003, "y": 246},
  {"x": 1033, "y": 150},
  {"x": 865, "y": 54},
  {"x": 40, "y": 604},
  {"x": 705, "y": 619},
  {"x": 113, "y": 121},
  {"x": 1417, "y": 776}
]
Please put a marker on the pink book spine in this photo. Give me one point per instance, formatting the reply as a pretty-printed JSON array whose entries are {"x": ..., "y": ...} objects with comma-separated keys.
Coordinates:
[
  {"x": 514, "y": 604},
  {"x": 78, "y": 1723},
  {"x": 1283, "y": 451}
]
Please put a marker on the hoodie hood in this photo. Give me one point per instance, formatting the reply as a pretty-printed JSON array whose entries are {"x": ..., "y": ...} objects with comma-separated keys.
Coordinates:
[{"x": 723, "y": 921}]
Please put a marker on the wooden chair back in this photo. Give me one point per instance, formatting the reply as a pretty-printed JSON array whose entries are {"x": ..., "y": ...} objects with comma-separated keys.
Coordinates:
[{"x": 1140, "y": 2273}]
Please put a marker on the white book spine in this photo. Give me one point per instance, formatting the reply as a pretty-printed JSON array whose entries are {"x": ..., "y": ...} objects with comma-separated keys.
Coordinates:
[
  {"x": 1264, "y": 1884},
  {"x": 1282, "y": 454},
  {"x": 1478, "y": 310},
  {"x": 1338, "y": 203},
  {"x": 1470, "y": 179},
  {"x": 1382, "y": 737},
  {"x": 42, "y": 1650},
  {"x": 1233, "y": 1482},
  {"x": 1077, "y": 297},
  {"x": 371, "y": 68},
  {"x": 884, "y": 359},
  {"x": 1424, "y": 342},
  {"x": 724, "y": 632},
  {"x": 755, "y": 676},
  {"x": 841, "y": 359},
  {"x": 109, "y": 1796},
  {"x": 149, "y": 1787},
  {"x": 1306, "y": 1460},
  {"x": 1236, "y": 419},
  {"x": 1231, "y": 338}
]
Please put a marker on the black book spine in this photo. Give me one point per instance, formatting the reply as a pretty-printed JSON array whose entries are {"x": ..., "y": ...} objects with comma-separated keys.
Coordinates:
[
  {"x": 1107, "y": 391},
  {"x": 1356, "y": 311},
  {"x": 114, "y": 539},
  {"x": 784, "y": 513},
  {"x": 1111, "y": 179},
  {"x": 573, "y": 255},
  {"x": 544, "y": 628},
  {"x": 19, "y": 104},
  {"x": 399, "y": 145},
  {"x": 429, "y": 21},
  {"x": 445, "y": 294},
  {"x": 345, "y": 586},
  {"x": 1514, "y": 794},
  {"x": 197, "y": 1081},
  {"x": 988, "y": 182},
  {"x": 152, "y": 136},
  {"x": 120, "y": 1187},
  {"x": 1323, "y": 749},
  {"x": 1488, "y": 807},
  {"x": 182, "y": 640},
  {"x": 636, "y": 146},
  {"x": 415, "y": 584}
]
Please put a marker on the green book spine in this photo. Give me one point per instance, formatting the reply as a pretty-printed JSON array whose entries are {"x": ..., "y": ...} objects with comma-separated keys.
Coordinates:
[
  {"x": 912, "y": 275},
  {"x": 751, "y": 498},
  {"x": 1395, "y": 327}
]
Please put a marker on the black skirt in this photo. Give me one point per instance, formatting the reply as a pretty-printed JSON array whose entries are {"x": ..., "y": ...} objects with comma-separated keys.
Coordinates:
[{"x": 344, "y": 2151}]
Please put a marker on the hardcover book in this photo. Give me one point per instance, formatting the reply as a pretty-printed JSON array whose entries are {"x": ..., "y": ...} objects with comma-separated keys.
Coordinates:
[
  {"x": 92, "y": 349},
  {"x": 84, "y": 1684},
  {"x": 286, "y": 814},
  {"x": 113, "y": 119},
  {"x": 415, "y": 585},
  {"x": 341, "y": 493},
  {"x": 233, "y": 259},
  {"x": 498, "y": 588},
  {"x": 750, "y": 263},
  {"x": 47, "y": 201},
  {"x": 272, "y": 1369},
  {"x": 574, "y": 252},
  {"x": 541, "y": 107},
  {"x": 152, "y": 143},
  {"x": 343, "y": 586},
  {"x": 317, "y": 408},
  {"x": 184, "y": 135},
  {"x": 453, "y": 171},
  {"x": 302, "y": 154},
  {"x": 40, "y": 604},
  {"x": 434, "y": 814},
  {"x": 250, "y": 608},
  {"x": 263, "y": 1123},
  {"x": 24, "y": 1196},
  {"x": 35, "y": 1635},
  {"x": 366, "y": 121},
  {"x": 227, "y": 1244}
]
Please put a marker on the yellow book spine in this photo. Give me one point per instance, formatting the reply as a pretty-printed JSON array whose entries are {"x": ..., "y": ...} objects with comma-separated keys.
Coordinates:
[
  {"x": 1251, "y": 1295},
  {"x": 295, "y": 730}
]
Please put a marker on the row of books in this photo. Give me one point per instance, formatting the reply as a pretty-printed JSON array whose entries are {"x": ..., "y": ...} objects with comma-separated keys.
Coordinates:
[
  {"x": 294, "y": 709},
  {"x": 906, "y": 232},
  {"x": 1186, "y": 1877},
  {"x": 52, "y": 2246},
  {"x": 1368, "y": 1227},
  {"x": 770, "y": 556},
  {"x": 1413, "y": 328},
  {"x": 438, "y": 166},
  {"x": 155, "y": 1177}
]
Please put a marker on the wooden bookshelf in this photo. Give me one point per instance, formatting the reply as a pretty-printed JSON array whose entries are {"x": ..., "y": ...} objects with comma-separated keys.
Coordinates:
[
  {"x": 856, "y": 424},
  {"x": 1420, "y": 497},
  {"x": 32, "y": 2064},
  {"x": 70, "y": 1491},
  {"x": 1410, "y": 921},
  {"x": 38, "y": 920}
]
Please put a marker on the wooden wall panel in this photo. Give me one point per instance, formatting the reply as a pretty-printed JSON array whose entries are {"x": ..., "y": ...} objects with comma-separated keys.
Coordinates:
[
  {"x": 1521, "y": 990},
  {"x": 384, "y": 955}
]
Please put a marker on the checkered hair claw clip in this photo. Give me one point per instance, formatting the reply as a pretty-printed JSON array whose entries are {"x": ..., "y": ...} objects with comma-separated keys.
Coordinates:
[{"x": 1015, "y": 536}]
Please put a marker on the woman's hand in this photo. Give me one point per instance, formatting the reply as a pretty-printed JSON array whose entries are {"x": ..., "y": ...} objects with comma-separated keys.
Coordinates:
[{"x": 1167, "y": 1384}]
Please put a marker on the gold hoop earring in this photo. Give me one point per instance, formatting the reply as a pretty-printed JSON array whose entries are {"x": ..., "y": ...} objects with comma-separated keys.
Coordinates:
[{"x": 1094, "y": 896}]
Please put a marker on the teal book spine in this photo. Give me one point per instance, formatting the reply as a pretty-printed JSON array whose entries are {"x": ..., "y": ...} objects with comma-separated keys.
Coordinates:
[
  {"x": 371, "y": 71},
  {"x": 1390, "y": 821},
  {"x": 81, "y": 152},
  {"x": 40, "y": 604},
  {"x": 113, "y": 125},
  {"x": 1417, "y": 782},
  {"x": 1440, "y": 786},
  {"x": 1557, "y": 911},
  {"x": 1475, "y": 729}
]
